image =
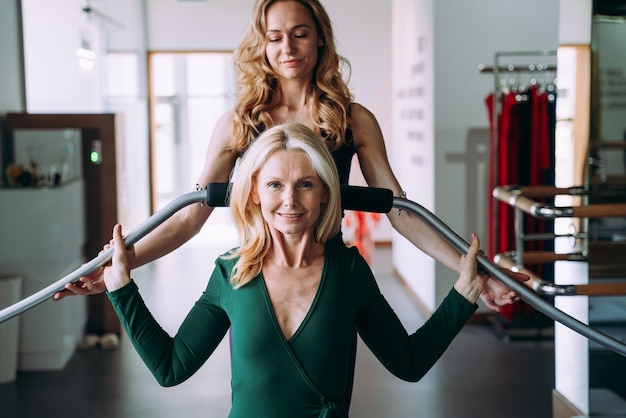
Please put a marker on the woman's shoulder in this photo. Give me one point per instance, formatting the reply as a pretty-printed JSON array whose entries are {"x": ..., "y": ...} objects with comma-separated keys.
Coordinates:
[
  {"x": 348, "y": 264},
  {"x": 227, "y": 260},
  {"x": 223, "y": 268},
  {"x": 225, "y": 121},
  {"x": 228, "y": 115},
  {"x": 359, "y": 112},
  {"x": 363, "y": 120},
  {"x": 343, "y": 254},
  {"x": 223, "y": 130}
]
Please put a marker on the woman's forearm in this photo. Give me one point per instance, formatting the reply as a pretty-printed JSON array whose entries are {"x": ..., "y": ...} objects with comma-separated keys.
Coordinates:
[
  {"x": 425, "y": 238},
  {"x": 171, "y": 234}
]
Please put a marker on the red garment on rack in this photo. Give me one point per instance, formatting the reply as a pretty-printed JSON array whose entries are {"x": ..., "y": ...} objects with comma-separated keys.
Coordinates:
[
  {"x": 502, "y": 176},
  {"x": 509, "y": 165},
  {"x": 508, "y": 145},
  {"x": 540, "y": 145},
  {"x": 521, "y": 153},
  {"x": 540, "y": 160},
  {"x": 489, "y": 102}
]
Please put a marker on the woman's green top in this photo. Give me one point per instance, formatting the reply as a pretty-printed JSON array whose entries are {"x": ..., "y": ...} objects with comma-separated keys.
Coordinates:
[{"x": 307, "y": 375}]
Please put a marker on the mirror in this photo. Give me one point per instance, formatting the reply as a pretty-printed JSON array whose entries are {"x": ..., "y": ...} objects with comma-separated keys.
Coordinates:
[
  {"x": 607, "y": 182},
  {"x": 591, "y": 151}
]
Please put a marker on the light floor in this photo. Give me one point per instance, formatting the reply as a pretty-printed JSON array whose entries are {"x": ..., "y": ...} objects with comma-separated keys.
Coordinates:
[{"x": 479, "y": 376}]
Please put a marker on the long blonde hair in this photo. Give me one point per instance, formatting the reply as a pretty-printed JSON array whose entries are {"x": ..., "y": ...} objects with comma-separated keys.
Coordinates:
[
  {"x": 255, "y": 236},
  {"x": 258, "y": 91}
]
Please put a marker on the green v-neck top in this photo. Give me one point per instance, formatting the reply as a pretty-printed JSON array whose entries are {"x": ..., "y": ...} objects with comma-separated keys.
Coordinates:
[{"x": 266, "y": 381}]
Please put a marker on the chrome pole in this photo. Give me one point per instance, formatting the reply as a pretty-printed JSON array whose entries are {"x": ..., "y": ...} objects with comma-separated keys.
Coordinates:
[{"x": 91, "y": 266}]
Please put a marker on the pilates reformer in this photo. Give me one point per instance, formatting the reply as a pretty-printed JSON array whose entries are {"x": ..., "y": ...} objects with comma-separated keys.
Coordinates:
[{"x": 352, "y": 198}]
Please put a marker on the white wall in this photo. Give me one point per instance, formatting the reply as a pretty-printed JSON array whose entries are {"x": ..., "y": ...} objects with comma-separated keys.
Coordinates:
[
  {"x": 188, "y": 26},
  {"x": 54, "y": 83},
  {"x": 413, "y": 131}
]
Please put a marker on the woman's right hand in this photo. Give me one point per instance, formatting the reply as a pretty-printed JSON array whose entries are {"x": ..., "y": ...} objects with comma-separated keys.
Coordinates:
[
  {"x": 117, "y": 271},
  {"x": 91, "y": 284}
]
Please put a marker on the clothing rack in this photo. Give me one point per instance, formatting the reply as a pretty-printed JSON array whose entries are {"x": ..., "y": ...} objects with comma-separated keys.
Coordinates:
[
  {"x": 522, "y": 73},
  {"x": 501, "y": 69},
  {"x": 511, "y": 68}
]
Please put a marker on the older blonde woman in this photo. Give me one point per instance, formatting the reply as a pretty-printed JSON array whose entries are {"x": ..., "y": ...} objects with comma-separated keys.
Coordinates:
[{"x": 292, "y": 298}]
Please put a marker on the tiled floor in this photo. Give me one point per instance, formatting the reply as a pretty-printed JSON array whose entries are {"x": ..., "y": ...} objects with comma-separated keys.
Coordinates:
[{"x": 479, "y": 376}]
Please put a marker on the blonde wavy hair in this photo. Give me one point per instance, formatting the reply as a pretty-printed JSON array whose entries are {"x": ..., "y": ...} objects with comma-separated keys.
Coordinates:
[
  {"x": 258, "y": 90},
  {"x": 253, "y": 230}
]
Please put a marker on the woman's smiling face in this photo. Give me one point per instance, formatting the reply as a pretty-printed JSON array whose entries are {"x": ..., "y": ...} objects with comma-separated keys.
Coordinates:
[{"x": 290, "y": 193}]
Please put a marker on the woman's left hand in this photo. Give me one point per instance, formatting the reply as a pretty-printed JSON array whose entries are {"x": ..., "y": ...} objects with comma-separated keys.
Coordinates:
[{"x": 495, "y": 294}]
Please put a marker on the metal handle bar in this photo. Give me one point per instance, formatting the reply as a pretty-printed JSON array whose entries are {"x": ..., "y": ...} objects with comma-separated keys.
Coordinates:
[
  {"x": 524, "y": 292},
  {"x": 216, "y": 194},
  {"x": 91, "y": 266},
  {"x": 364, "y": 199}
]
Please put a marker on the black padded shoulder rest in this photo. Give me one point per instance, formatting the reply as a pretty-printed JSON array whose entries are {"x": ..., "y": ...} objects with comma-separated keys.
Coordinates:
[{"x": 364, "y": 199}]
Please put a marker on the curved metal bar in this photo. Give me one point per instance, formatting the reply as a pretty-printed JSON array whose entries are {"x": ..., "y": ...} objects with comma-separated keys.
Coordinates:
[
  {"x": 526, "y": 294},
  {"x": 513, "y": 197},
  {"x": 89, "y": 267},
  {"x": 448, "y": 234},
  {"x": 369, "y": 199}
]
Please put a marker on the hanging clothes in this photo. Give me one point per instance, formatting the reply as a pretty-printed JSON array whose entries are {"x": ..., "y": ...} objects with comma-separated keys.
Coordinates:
[{"x": 522, "y": 153}]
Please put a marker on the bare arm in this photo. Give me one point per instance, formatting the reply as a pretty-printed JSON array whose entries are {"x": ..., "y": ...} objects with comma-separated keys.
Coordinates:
[
  {"x": 187, "y": 222},
  {"x": 183, "y": 225},
  {"x": 377, "y": 172}
]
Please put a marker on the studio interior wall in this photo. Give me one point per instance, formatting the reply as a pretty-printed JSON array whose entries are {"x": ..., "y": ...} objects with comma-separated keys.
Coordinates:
[{"x": 463, "y": 36}]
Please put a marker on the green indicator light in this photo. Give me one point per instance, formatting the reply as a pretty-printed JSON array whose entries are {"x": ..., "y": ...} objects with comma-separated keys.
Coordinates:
[{"x": 95, "y": 155}]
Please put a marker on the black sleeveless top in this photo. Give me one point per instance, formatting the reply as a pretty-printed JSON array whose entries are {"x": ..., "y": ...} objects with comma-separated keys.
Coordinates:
[
  {"x": 343, "y": 157},
  {"x": 343, "y": 160}
]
